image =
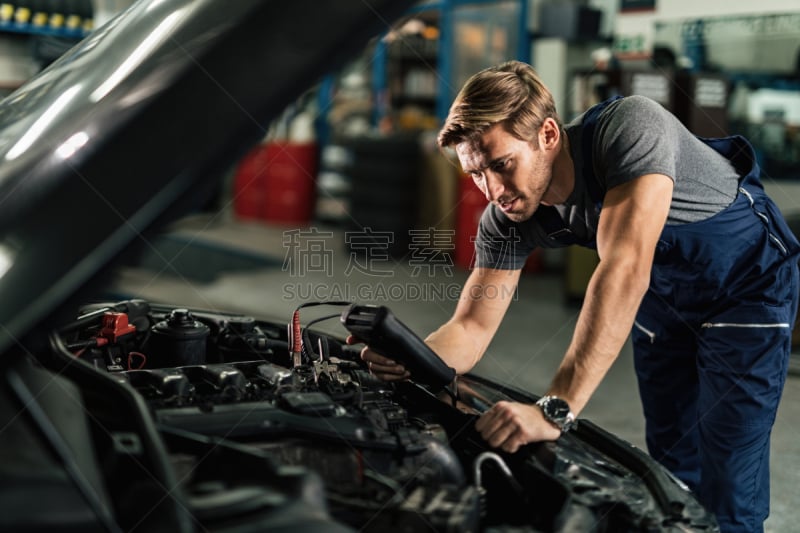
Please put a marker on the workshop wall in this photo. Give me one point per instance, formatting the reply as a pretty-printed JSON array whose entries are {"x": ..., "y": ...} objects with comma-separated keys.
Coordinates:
[
  {"x": 16, "y": 62},
  {"x": 635, "y": 31}
]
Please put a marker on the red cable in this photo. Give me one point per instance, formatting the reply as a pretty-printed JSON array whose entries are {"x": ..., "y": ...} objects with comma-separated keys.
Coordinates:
[
  {"x": 296, "y": 338},
  {"x": 130, "y": 360}
]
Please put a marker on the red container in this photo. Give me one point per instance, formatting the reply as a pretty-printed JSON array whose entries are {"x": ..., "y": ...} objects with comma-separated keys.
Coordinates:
[
  {"x": 290, "y": 185},
  {"x": 471, "y": 203},
  {"x": 276, "y": 182},
  {"x": 249, "y": 185}
]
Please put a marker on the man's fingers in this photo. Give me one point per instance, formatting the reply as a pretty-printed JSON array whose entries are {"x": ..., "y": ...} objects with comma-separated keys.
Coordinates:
[
  {"x": 501, "y": 435},
  {"x": 377, "y": 368},
  {"x": 383, "y": 367},
  {"x": 374, "y": 357},
  {"x": 512, "y": 442},
  {"x": 351, "y": 339},
  {"x": 381, "y": 360},
  {"x": 502, "y": 427},
  {"x": 392, "y": 377},
  {"x": 491, "y": 420},
  {"x": 509, "y": 425}
]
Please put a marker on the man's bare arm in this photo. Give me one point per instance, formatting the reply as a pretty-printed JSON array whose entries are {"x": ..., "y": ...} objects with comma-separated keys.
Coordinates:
[
  {"x": 484, "y": 300},
  {"x": 631, "y": 222}
]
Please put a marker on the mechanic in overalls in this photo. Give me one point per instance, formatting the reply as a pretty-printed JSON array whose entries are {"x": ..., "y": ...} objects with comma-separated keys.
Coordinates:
[{"x": 695, "y": 260}]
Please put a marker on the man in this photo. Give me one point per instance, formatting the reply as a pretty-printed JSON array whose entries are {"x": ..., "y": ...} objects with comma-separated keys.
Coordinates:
[{"x": 695, "y": 260}]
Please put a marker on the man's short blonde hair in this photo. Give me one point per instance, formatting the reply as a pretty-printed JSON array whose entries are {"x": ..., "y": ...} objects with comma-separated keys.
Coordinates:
[{"x": 511, "y": 94}]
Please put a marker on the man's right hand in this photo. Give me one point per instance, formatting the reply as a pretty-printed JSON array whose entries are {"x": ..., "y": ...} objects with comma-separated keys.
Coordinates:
[{"x": 380, "y": 366}]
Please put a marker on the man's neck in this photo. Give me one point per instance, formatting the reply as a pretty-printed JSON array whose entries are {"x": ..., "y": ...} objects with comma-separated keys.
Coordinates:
[{"x": 563, "y": 182}]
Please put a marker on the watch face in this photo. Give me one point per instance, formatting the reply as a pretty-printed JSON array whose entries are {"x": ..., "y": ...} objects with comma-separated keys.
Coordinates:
[{"x": 557, "y": 409}]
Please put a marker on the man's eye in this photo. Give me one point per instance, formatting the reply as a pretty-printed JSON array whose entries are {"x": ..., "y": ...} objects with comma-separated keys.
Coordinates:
[{"x": 500, "y": 164}]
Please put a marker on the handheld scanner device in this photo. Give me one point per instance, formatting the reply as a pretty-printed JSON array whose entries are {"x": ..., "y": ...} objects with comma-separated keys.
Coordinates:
[{"x": 383, "y": 332}]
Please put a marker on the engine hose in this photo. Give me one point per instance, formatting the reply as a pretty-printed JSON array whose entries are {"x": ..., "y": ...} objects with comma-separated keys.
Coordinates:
[{"x": 491, "y": 456}]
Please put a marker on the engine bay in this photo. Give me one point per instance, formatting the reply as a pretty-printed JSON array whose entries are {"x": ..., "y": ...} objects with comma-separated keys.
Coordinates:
[{"x": 257, "y": 416}]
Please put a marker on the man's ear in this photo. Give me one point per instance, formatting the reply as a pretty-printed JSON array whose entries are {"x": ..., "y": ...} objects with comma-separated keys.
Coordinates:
[{"x": 549, "y": 134}]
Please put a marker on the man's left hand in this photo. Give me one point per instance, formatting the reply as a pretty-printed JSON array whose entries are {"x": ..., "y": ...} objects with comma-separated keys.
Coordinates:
[{"x": 509, "y": 425}]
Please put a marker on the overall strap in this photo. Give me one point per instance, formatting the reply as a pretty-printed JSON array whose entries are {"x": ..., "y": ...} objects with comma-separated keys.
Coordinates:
[
  {"x": 547, "y": 216},
  {"x": 740, "y": 153}
]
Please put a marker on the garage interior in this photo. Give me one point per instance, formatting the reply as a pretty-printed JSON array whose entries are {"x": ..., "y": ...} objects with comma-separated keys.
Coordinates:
[{"x": 348, "y": 198}]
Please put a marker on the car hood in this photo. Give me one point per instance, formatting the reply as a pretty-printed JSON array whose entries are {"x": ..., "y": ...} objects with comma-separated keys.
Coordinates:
[{"x": 131, "y": 126}]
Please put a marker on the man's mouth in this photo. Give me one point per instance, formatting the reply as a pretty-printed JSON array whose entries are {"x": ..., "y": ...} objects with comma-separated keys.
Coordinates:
[{"x": 507, "y": 206}]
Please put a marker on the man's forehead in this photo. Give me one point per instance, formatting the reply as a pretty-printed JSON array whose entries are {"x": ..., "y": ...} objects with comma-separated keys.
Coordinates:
[
  {"x": 479, "y": 147},
  {"x": 479, "y": 141},
  {"x": 471, "y": 146}
]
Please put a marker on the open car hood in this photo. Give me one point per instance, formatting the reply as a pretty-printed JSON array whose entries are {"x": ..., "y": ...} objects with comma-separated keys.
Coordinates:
[{"x": 132, "y": 125}]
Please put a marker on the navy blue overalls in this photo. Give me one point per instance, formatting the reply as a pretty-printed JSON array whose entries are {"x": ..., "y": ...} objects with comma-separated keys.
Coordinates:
[{"x": 712, "y": 340}]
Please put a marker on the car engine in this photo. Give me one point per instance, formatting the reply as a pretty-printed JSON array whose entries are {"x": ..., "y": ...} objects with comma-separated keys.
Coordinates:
[{"x": 257, "y": 416}]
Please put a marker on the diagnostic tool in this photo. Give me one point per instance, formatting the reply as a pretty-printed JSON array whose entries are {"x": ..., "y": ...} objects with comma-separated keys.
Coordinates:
[{"x": 383, "y": 332}]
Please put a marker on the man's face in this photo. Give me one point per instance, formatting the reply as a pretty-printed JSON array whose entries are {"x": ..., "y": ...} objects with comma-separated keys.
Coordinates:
[{"x": 512, "y": 174}]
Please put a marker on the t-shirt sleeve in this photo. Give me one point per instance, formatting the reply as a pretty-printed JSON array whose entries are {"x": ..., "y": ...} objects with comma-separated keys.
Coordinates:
[
  {"x": 500, "y": 243},
  {"x": 637, "y": 137}
]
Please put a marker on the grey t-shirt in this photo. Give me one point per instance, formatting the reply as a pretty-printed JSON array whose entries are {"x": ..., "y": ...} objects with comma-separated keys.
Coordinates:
[{"x": 634, "y": 136}]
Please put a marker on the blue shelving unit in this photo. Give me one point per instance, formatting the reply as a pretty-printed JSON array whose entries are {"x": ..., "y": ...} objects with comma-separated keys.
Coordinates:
[
  {"x": 449, "y": 13},
  {"x": 32, "y": 29},
  {"x": 71, "y": 20}
]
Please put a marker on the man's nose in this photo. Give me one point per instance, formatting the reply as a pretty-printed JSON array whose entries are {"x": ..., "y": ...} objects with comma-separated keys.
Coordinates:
[{"x": 494, "y": 186}]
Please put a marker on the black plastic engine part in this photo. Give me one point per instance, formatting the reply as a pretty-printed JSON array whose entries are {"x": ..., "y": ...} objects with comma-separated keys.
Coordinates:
[{"x": 179, "y": 340}]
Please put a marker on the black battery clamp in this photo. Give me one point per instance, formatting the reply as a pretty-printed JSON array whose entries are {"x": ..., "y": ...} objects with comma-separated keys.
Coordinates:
[{"x": 381, "y": 330}]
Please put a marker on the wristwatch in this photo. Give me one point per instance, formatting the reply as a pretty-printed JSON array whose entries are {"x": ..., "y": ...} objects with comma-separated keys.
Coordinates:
[{"x": 557, "y": 411}]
